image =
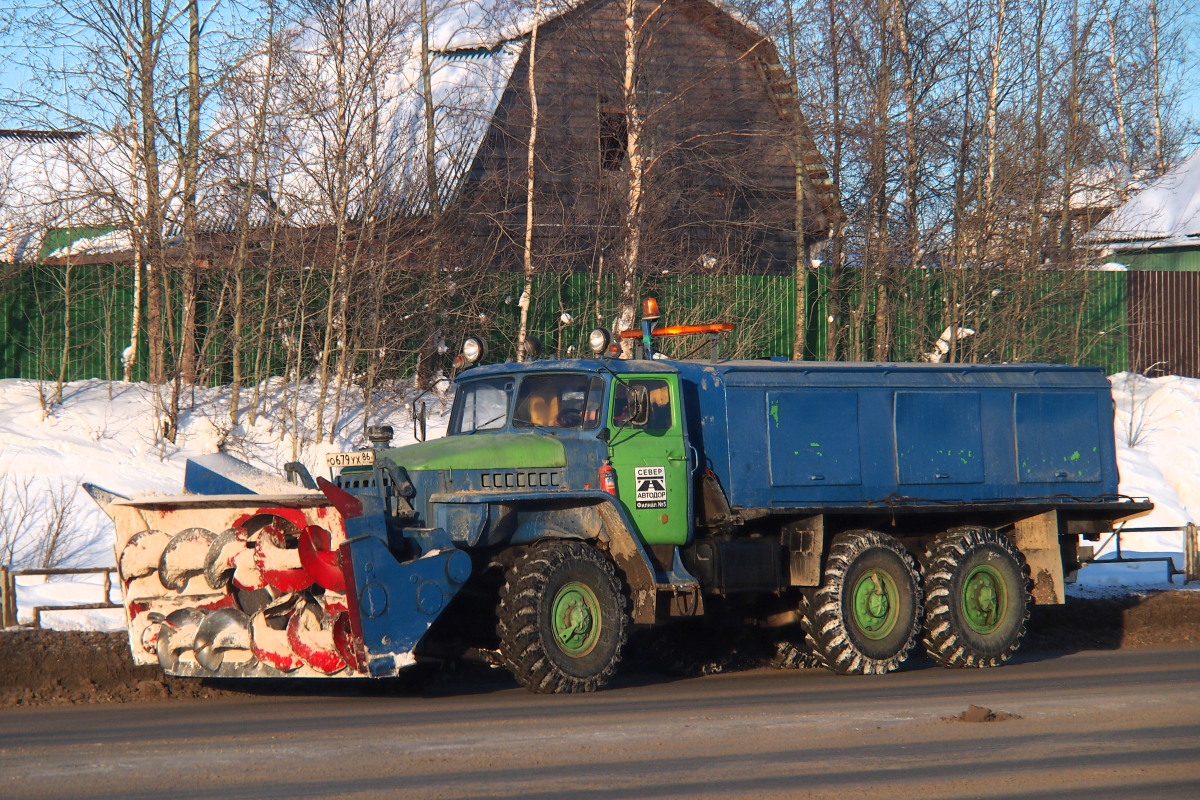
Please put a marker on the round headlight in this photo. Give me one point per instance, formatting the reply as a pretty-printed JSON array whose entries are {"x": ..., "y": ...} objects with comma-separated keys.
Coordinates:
[
  {"x": 598, "y": 340},
  {"x": 473, "y": 349}
]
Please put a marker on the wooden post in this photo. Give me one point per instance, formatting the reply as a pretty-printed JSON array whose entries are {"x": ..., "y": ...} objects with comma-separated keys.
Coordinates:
[
  {"x": 1191, "y": 553},
  {"x": 8, "y": 599}
]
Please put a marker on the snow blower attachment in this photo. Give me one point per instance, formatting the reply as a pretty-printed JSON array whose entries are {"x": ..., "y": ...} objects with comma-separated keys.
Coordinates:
[{"x": 247, "y": 575}]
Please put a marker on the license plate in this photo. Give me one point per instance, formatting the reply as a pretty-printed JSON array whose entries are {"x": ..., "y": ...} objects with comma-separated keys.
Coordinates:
[{"x": 359, "y": 458}]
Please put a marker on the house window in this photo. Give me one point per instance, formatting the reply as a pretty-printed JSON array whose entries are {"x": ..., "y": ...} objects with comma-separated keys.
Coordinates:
[{"x": 612, "y": 137}]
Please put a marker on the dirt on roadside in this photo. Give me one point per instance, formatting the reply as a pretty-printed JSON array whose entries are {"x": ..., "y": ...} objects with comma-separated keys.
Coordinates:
[{"x": 64, "y": 668}]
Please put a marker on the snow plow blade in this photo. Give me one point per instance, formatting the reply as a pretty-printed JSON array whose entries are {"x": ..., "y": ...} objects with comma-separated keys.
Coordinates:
[{"x": 280, "y": 583}]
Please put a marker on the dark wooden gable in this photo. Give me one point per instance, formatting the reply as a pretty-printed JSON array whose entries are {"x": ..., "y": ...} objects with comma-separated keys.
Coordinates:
[{"x": 720, "y": 129}]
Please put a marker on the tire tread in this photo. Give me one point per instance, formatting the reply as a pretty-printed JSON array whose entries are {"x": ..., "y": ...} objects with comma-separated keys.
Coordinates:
[
  {"x": 945, "y": 557},
  {"x": 825, "y": 629},
  {"x": 522, "y": 645}
]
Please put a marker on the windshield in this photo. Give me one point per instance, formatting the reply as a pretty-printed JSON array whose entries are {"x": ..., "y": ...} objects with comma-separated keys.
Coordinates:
[
  {"x": 481, "y": 405},
  {"x": 559, "y": 401}
]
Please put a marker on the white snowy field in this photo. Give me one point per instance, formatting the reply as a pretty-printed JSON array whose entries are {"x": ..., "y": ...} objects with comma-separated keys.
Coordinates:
[{"x": 104, "y": 433}]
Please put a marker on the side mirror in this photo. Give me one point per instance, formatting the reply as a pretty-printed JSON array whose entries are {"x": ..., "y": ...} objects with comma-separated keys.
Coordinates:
[
  {"x": 419, "y": 417},
  {"x": 639, "y": 405}
]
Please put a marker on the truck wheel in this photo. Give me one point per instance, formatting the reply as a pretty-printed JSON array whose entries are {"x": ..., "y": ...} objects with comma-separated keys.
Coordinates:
[
  {"x": 976, "y": 598},
  {"x": 865, "y": 614},
  {"x": 794, "y": 655},
  {"x": 563, "y": 618}
]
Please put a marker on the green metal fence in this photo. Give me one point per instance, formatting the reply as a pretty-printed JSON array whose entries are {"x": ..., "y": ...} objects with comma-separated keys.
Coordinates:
[
  {"x": 1060, "y": 317},
  {"x": 37, "y": 332},
  {"x": 762, "y": 309},
  {"x": 1044, "y": 316}
]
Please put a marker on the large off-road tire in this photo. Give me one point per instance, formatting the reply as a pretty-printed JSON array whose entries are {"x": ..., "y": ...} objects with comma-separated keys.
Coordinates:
[
  {"x": 792, "y": 646},
  {"x": 791, "y": 654},
  {"x": 976, "y": 598},
  {"x": 865, "y": 616},
  {"x": 563, "y": 618}
]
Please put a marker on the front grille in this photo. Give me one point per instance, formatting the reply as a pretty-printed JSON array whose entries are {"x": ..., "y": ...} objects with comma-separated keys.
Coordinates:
[{"x": 521, "y": 479}]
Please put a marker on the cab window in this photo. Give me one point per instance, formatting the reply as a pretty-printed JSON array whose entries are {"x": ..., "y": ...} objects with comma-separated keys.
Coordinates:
[
  {"x": 644, "y": 404},
  {"x": 559, "y": 401},
  {"x": 482, "y": 405}
]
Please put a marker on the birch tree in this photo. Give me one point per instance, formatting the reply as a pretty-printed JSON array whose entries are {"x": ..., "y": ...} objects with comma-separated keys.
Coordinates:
[{"x": 526, "y": 298}]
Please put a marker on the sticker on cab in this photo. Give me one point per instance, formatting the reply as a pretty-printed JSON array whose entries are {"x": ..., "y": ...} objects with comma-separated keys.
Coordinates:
[{"x": 651, "y": 484}]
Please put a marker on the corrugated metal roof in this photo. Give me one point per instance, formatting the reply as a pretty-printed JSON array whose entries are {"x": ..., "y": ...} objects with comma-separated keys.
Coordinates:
[{"x": 22, "y": 135}]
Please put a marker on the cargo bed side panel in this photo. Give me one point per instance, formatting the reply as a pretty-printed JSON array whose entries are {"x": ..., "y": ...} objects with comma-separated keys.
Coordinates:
[{"x": 792, "y": 435}]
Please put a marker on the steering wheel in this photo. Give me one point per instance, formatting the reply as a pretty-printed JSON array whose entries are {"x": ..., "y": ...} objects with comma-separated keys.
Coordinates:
[{"x": 570, "y": 418}]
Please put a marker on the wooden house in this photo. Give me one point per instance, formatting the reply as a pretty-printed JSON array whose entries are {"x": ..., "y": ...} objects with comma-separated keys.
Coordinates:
[
  {"x": 1155, "y": 235},
  {"x": 722, "y": 137}
]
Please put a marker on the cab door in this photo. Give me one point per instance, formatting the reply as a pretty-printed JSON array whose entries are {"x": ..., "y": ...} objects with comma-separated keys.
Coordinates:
[{"x": 648, "y": 448}]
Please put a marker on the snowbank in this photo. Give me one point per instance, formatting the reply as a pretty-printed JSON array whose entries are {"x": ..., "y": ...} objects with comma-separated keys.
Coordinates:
[
  {"x": 1157, "y": 428},
  {"x": 104, "y": 433}
]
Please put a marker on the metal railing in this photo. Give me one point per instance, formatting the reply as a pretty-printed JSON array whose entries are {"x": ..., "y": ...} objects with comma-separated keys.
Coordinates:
[
  {"x": 1191, "y": 551},
  {"x": 8, "y": 593}
]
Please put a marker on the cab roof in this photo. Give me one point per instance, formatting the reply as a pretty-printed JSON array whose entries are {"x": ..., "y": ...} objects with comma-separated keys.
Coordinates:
[{"x": 593, "y": 365}]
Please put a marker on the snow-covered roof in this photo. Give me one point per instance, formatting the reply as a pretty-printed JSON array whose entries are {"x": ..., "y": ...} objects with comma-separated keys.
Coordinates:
[
  {"x": 298, "y": 175},
  {"x": 53, "y": 179},
  {"x": 1164, "y": 214},
  {"x": 1102, "y": 186}
]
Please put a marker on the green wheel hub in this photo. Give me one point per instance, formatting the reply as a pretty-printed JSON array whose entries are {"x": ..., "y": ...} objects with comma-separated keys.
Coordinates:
[
  {"x": 984, "y": 598},
  {"x": 576, "y": 612},
  {"x": 876, "y": 604}
]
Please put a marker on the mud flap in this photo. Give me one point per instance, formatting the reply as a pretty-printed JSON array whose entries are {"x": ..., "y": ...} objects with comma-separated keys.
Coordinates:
[{"x": 398, "y": 602}]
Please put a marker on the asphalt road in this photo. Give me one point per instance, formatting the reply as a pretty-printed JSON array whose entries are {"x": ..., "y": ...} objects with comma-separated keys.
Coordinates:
[{"x": 1121, "y": 724}]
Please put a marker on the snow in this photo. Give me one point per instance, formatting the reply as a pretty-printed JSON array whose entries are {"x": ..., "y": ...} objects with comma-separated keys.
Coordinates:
[
  {"x": 62, "y": 182},
  {"x": 53, "y": 590},
  {"x": 1101, "y": 186},
  {"x": 1164, "y": 214},
  {"x": 104, "y": 433}
]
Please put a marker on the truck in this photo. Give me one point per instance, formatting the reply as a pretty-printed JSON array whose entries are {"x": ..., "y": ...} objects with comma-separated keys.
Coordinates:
[{"x": 869, "y": 508}]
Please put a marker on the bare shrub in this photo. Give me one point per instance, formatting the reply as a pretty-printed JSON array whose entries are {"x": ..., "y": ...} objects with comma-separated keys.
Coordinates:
[
  {"x": 38, "y": 525},
  {"x": 16, "y": 509}
]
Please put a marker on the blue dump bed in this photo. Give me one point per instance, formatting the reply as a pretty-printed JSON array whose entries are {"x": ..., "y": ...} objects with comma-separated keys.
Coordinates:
[{"x": 784, "y": 435}]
